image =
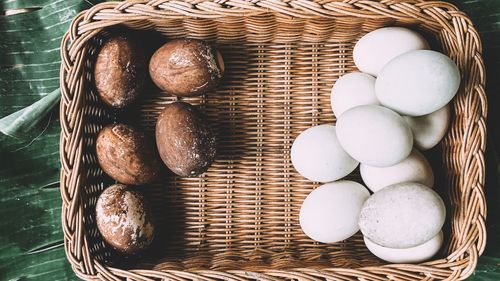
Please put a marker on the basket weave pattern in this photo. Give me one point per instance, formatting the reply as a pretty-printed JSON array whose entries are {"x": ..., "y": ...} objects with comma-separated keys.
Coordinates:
[{"x": 239, "y": 220}]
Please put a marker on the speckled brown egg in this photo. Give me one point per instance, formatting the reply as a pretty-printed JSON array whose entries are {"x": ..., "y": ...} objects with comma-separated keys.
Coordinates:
[
  {"x": 185, "y": 141},
  {"x": 120, "y": 71},
  {"x": 127, "y": 155},
  {"x": 186, "y": 67},
  {"x": 124, "y": 219}
]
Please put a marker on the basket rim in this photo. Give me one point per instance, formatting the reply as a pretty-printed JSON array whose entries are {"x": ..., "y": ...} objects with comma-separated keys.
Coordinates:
[{"x": 440, "y": 15}]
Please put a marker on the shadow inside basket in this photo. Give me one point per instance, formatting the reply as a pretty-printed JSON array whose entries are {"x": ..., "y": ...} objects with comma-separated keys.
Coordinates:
[{"x": 244, "y": 211}]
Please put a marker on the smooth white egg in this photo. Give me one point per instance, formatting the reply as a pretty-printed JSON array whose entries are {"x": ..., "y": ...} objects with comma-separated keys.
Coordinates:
[
  {"x": 430, "y": 129},
  {"x": 418, "y": 83},
  {"x": 374, "y": 50},
  {"x": 415, "y": 254},
  {"x": 403, "y": 215},
  {"x": 374, "y": 135},
  {"x": 351, "y": 90},
  {"x": 330, "y": 213},
  {"x": 415, "y": 168},
  {"x": 318, "y": 156}
]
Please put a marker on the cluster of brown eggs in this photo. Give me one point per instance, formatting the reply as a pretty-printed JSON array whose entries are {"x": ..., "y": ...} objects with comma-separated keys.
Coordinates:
[{"x": 184, "y": 141}]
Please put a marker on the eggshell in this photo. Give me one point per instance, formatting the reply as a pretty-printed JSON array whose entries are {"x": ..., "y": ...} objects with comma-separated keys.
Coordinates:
[
  {"x": 418, "y": 82},
  {"x": 429, "y": 130},
  {"x": 415, "y": 254},
  {"x": 374, "y": 50},
  {"x": 127, "y": 155},
  {"x": 124, "y": 219},
  {"x": 351, "y": 90},
  {"x": 374, "y": 135},
  {"x": 186, "y": 67},
  {"x": 185, "y": 140},
  {"x": 317, "y": 155},
  {"x": 330, "y": 213},
  {"x": 414, "y": 168},
  {"x": 402, "y": 215}
]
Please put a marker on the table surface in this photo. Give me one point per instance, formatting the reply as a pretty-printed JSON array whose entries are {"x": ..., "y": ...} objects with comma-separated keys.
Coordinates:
[{"x": 31, "y": 238}]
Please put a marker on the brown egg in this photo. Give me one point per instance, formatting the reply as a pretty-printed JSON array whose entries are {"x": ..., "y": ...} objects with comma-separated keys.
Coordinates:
[
  {"x": 126, "y": 155},
  {"x": 186, "y": 67},
  {"x": 124, "y": 219},
  {"x": 120, "y": 71},
  {"x": 185, "y": 141}
]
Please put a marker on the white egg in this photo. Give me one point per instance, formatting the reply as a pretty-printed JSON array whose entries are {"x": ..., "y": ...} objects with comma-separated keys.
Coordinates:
[
  {"x": 415, "y": 168},
  {"x": 403, "y": 215},
  {"x": 418, "y": 82},
  {"x": 374, "y": 135},
  {"x": 374, "y": 50},
  {"x": 351, "y": 90},
  {"x": 318, "y": 156},
  {"x": 429, "y": 130},
  {"x": 330, "y": 213},
  {"x": 415, "y": 254}
]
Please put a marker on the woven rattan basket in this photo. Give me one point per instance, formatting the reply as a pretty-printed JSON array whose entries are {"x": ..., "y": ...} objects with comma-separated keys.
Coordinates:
[{"x": 240, "y": 219}]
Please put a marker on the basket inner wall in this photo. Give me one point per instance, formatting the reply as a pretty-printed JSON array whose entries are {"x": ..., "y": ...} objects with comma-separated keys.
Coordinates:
[{"x": 243, "y": 212}]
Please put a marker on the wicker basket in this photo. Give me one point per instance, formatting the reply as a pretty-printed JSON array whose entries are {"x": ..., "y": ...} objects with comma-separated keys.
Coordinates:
[{"x": 239, "y": 220}]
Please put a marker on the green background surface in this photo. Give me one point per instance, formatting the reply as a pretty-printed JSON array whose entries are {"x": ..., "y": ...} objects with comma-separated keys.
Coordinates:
[{"x": 31, "y": 238}]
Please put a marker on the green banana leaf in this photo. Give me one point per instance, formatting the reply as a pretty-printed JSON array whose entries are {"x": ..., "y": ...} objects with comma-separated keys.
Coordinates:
[
  {"x": 31, "y": 238},
  {"x": 22, "y": 122}
]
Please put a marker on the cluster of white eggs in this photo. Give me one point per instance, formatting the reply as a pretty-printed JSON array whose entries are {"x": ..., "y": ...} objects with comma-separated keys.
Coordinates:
[{"x": 399, "y": 100}]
